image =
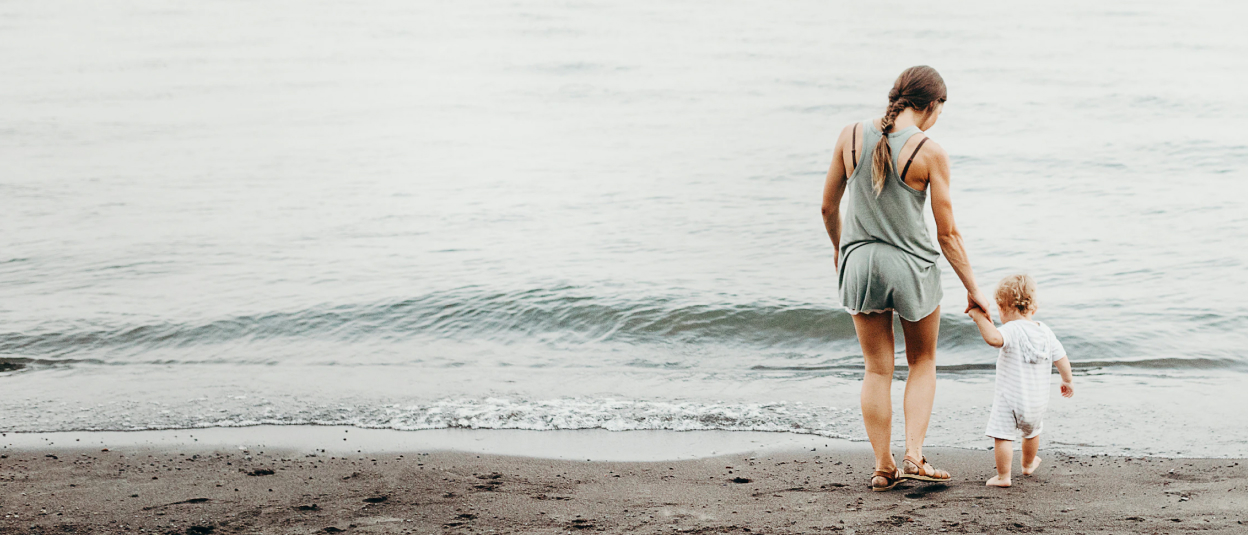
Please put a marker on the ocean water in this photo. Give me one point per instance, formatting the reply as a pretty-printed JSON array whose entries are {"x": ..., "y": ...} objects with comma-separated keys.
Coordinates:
[{"x": 600, "y": 215}]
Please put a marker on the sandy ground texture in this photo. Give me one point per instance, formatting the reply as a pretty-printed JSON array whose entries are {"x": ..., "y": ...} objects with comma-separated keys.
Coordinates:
[{"x": 67, "y": 490}]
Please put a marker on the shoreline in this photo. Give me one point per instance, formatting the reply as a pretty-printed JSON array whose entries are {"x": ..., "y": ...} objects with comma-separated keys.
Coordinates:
[
  {"x": 594, "y": 444},
  {"x": 159, "y": 398},
  {"x": 579, "y": 444},
  {"x": 51, "y": 486}
]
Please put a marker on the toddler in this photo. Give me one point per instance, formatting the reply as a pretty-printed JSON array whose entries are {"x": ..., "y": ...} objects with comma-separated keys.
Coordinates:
[{"x": 1029, "y": 350}]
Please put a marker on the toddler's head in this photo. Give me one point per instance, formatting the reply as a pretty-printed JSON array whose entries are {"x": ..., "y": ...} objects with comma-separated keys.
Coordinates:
[{"x": 1017, "y": 293}]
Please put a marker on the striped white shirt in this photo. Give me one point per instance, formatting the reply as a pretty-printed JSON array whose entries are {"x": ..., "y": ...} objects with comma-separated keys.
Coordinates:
[{"x": 1024, "y": 367}]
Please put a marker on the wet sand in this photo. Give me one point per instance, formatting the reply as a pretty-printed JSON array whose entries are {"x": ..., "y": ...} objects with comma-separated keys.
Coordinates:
[{"x": 66, "y": 489}]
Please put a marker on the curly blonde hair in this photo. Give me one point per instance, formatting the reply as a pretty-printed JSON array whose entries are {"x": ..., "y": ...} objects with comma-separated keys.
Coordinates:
[{"x": 1018, "y": 292}]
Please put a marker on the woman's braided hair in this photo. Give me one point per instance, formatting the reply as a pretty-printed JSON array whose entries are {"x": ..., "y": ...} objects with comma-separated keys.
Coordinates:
[
  {"x": 918, "y": 87},
  {"x": 1017, "y": 291}
]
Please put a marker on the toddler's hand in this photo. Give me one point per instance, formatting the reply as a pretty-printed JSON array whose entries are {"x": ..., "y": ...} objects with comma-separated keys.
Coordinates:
[
  {"x": 1068, "y": 390},
  {"x": 977, "y": 313}
]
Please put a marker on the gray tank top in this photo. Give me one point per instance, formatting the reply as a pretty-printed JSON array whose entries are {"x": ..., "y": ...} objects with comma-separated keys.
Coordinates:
[{"x": 895, "y": 217}]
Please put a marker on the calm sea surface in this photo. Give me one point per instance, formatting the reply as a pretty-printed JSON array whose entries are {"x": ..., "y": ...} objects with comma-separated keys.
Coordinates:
[{"x": 564, "y": 215}]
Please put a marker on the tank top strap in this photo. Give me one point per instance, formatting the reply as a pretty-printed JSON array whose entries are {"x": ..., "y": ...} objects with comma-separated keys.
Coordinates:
[{"x": 897, "y": 140}]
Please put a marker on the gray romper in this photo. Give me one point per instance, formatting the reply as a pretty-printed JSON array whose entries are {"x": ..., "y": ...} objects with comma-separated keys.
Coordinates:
[{"x": 887, "y": 260}]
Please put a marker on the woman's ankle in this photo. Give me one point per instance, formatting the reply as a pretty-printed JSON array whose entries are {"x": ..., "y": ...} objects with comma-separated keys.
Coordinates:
[{"x": 886, "y": 465}]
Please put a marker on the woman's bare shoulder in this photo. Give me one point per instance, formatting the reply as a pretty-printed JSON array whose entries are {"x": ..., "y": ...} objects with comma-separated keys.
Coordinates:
[
  {"x": 848, "y": 131},
  {"x": 932, "y": 155},
  {"x": 932, "y": 149},
  {"x": 845, "y": 139}
]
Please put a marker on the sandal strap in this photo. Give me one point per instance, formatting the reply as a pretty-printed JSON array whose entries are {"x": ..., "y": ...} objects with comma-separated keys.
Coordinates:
[
  {"x": 886, "y": 475},
  {"x": 935, "y": 471},
  {"x": 922, "y": 464}
]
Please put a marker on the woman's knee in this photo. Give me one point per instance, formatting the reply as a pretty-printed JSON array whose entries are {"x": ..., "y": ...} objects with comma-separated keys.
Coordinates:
[
  {"x": 921, "y": 358},
  {"x": 880, "y": 369}
]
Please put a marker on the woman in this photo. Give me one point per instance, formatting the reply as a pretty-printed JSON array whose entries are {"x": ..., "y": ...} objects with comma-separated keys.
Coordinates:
[{"x": 886, "y": 262}]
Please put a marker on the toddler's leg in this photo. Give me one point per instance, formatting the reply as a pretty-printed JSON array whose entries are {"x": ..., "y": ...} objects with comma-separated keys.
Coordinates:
[
  {"x": 1005, "y": 457},
  {"x": 1030, "y": 461}
]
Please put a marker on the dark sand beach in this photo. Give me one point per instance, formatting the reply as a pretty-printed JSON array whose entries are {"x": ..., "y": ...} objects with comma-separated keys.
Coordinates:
[{"x": 227, "y": 490}]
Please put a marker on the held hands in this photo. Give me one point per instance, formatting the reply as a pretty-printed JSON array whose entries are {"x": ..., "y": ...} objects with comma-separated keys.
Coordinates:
[
  {"x": 977, "y": 313},
  {"x": 977, "y": 300},
  {"x": 1068, "y": 390}
]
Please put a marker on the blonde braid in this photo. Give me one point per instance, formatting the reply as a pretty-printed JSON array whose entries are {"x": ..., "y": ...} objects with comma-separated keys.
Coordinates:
[{"x": 881, "y": 158}]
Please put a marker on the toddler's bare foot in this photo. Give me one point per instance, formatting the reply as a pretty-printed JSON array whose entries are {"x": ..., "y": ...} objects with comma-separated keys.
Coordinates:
[
  {"x": 1028, "y": 470},
  {"x": 997, "y": 481}
]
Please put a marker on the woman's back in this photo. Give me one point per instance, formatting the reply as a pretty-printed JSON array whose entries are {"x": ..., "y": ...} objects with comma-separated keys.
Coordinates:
[{"x": 894, "y": 216}]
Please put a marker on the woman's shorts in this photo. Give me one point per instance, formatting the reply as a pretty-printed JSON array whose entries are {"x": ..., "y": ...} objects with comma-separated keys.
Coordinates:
[{"x": 877, "y": 277}]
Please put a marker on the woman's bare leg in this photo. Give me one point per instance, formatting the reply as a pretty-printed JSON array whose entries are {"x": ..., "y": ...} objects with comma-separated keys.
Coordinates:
[
  {"x": 875, "y": 335},
  {"x": 921, "y": 382}
]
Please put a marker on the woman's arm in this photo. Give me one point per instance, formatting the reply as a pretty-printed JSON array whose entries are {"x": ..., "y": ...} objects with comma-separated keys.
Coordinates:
[
  {"x": 833, "y": 190},
  {"x": 950, "y": 239},
  {"x": 986, "y": 328}
]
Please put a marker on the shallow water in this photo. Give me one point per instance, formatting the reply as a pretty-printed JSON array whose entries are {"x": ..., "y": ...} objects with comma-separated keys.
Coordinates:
[{"x": 598, "y": 215}]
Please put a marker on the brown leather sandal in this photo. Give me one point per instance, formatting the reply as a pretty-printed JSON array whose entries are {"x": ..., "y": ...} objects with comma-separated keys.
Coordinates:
[
  {"x": 891, "y": 480},
  {"x": 923, "y": 471}
]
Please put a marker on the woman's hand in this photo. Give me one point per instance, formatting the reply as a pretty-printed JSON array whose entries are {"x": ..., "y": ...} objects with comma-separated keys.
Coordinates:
[
  {"x": 976, "y": 313},
  {"x": 978, "y": 300},
  {"x": 1068, "y": 389}
]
